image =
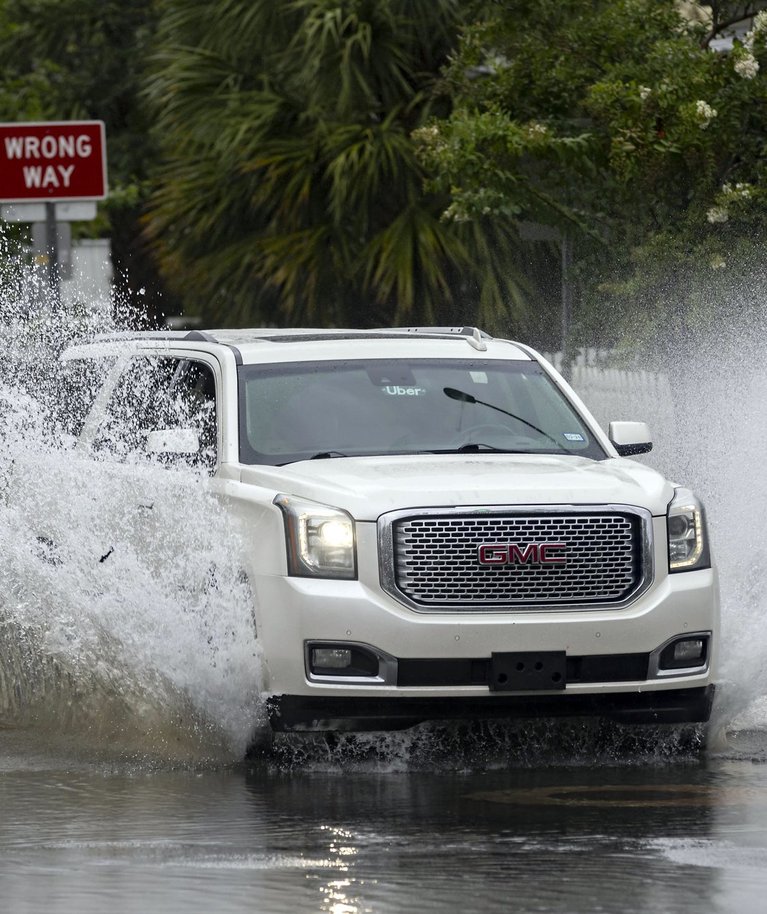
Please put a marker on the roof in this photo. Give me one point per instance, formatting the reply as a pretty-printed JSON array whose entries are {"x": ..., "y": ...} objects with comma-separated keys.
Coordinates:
[{"x": 270, "y": 344}]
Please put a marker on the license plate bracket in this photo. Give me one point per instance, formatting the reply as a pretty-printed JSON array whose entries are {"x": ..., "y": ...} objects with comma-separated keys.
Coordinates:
[{"x": 527, "y": 671}]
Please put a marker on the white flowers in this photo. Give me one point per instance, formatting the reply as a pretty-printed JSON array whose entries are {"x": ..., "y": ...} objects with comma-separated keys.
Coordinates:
[
  {"x": 740, "y": 191},
  {"x": 455, "y": 213},
  {"x": 429, "y": 134},
  {"x": 645, "y": 92},
  {"x": 536, "y": 130},
  {"x": 731, "y": 195},
  {"x": 705, "y": 113},
  {"x": 744, "y": 62},
  {"x": 746, "y": 65},
  {"x": 717, "y": 214},
  {"x": 759, "y": 27}
]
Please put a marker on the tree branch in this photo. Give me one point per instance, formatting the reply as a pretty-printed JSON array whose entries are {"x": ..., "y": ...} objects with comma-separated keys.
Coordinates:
[{"x": 717, "y": 27}]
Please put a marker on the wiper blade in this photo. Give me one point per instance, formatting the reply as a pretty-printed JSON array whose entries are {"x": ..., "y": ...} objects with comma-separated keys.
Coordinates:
[
  {"x": 474, "y": 447},
  {"x": 463, "y": 397},
  {"x": 326, "y": 455}
]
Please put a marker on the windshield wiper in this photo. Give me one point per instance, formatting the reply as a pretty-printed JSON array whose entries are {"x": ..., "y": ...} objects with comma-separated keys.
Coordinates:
[
  {"x": 474, "y": 446},
  {"x": 465, "y": 397},
  {"x": 326, "y": 455}
]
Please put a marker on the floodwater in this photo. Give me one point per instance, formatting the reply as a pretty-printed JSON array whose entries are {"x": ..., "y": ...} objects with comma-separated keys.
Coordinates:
[{"x": 685, "y": 833}]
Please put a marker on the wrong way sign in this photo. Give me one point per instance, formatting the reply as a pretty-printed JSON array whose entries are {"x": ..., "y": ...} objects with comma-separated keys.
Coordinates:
[{"x": 53, "y": 160}]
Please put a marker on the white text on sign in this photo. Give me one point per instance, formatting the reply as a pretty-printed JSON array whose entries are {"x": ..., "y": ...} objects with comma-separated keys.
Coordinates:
[{"x": 48, "y": 147}]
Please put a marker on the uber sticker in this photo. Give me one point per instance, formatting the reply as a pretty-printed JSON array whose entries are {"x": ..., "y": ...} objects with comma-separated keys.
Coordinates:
[
  {"x": 395, "y": 390},
  {"x": 574, "y": 436}
]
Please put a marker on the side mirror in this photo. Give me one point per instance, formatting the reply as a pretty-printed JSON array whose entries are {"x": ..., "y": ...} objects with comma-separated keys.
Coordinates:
[
  {"x": 173, "y": 441},
  {"x": 630, "y": 438}
]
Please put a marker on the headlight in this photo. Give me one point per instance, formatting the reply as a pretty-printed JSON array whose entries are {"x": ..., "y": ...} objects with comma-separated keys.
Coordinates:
[
  {"x": 320, "y": 539},
  {"x": 687, "y": 537}
]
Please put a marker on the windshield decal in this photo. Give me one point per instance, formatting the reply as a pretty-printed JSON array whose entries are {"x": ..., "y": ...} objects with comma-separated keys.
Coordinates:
[{"x": 394, "y": 390}]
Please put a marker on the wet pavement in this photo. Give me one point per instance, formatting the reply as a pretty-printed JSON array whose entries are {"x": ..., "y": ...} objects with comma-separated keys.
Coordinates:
[{"x": 387, "y": 831}]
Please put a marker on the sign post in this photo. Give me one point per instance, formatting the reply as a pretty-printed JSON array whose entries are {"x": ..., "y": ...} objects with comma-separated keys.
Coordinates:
[
  {"x": 52, "y": 252},
  {"x": 49, "y": 163}
]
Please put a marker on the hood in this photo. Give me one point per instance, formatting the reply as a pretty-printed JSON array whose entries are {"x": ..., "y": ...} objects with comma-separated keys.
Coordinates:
[{"x": 367, "y": 487}]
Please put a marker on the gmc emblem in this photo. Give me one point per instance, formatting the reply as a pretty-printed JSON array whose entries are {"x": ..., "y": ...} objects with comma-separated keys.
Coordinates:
[{"x": 529, "y": 554}]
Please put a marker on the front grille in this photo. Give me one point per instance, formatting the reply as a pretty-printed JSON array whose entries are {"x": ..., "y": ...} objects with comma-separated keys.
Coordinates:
[{"x": 435, "y": 558}]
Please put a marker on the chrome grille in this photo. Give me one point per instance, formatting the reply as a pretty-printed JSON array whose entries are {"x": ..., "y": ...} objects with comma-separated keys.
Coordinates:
[{"x": 435, "y": 558}]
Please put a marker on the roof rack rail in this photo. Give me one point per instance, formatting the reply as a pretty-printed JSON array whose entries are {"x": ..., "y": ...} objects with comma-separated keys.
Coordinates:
[
  {"x": 191, "y": 335},
  {"x": 473, "y": 335}
]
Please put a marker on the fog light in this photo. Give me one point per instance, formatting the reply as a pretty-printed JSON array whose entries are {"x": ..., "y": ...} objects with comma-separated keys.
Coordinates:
[
  {"x": 684, "y": 654},
  {"x": 331, "y": 658},
  {"x": 341, "y": 660},
  {"x": 689, "y": 651}
]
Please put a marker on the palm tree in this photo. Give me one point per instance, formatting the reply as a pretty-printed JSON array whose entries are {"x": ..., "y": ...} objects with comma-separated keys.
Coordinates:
[{"x": 291, "y": 191}]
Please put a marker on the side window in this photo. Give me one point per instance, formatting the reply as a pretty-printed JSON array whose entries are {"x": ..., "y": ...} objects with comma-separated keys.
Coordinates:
[
  {"x": 193, "y": 405},
  {"x": 161, "y": 394}
]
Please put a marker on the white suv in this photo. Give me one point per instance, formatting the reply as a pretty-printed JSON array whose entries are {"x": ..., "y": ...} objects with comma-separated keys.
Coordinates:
[{"x": 437, "y": 527}]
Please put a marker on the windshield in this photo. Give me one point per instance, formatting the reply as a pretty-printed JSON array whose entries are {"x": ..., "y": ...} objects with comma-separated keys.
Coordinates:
[{"x": 317, "y": 410}]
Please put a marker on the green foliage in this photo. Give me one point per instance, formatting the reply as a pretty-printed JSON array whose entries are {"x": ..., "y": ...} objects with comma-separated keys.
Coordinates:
[
  {"x": 291, "y": 192},
  {"x": 376, "y": 161},
  {"x": 84, "y": 59},
  {"x": 614, "y": 120},
  {"x": 81, "y": 59}
]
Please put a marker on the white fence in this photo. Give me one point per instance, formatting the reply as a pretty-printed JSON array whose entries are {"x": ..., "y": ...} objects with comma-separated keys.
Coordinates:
[{"x": 617, "y": 393}]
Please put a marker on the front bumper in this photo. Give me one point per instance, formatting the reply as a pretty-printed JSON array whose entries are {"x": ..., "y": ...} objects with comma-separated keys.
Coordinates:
[
  {"x": 290, "y": 713},
  {"x": 292, "y": 612}
]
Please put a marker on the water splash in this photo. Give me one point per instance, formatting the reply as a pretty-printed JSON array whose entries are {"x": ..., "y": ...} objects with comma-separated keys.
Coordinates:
[
  {"x": 726, "y": 433},
  {"x": 134, "y": 641},
  {"x": 473, "y": 746}
]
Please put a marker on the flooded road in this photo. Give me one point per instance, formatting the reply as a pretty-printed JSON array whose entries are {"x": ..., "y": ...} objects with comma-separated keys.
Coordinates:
[{"x": 682, "y": 833}]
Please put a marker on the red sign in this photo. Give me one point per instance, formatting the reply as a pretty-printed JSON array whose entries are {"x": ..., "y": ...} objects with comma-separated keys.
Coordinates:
[{"x": 57, "y": 160}]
